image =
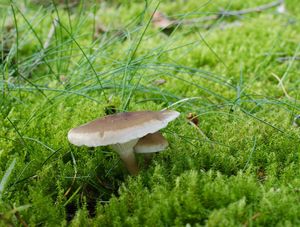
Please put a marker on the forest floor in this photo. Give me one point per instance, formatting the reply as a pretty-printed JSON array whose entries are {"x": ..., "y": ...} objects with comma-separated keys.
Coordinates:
[{"x": 231, "y": 68}]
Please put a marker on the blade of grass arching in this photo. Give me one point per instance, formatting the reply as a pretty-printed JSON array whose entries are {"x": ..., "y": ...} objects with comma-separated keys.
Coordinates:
[
  {"x": 127, "y": 102},
  {"x": 86, "y": 57},
  {"x": 195, "y": 12},
  {"x": 72, "y": 196},
  {"x": 251, "y": 153},
  {"x": 76, "y": 31},
  {"x": 142, "y": 35},
  {"x": 5, "y": 71},
  {"x": 16, "y": 65},
  {"x": 147, "y": 66},
  {"x": 267, "y": 60},
  {"x": 176, "y": 37},
  {"x": 187, "y": 50},
  {"x": 18, "y": 180},
  {"x": 267, "y": 101},
  {"x": 94, "y": 23},
  {"x": 80, "y": 13},
  {"x": 19, "y": 134},
  {"x": 239, "y": 90},
  {"x": 181, "y": 101},
  {"x": 4, "y": 58},
  {"x": 177, "y": 67},
  {"x": 2, "y": 38},
  {"x": 20, "y": 208},
  {"x": 211, "y": 49},
  {"x": 57, "y": 18},
  {"x": 140, "y": 17},
  {"x": 38, "y": 89},
  {"x": 201, "y": 87},
  {"x": 6, "y": 176},
  {"x": 137, "y": 62},
  {"x": 261, "y": 120},
  {"x": 242, "y": 109},
  {"x": 192, "y": 71},
  {"x": 41, "y": 143},
  {"x": 21, "y": 173},
  {"x": 51, "y": 52},
  {"x": 63, "y": 66},
  {"x": 132, "y": 56},
  {"x": 191, "y": 140},
  {"x": 222, "y": 16},
  {"x": 50, "y": 156},
  {"x": 290, "y": 63},
  {"x": 71, "y": 31},
  {"x": 43, "y": 108},
  {"x": 70, "y": 92},
  {"x": 43, "y": 51}
]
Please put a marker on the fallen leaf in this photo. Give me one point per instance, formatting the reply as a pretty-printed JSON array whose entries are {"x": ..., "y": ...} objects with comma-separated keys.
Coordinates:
[
  {"x": 166, "y": 25},
  {"x": 159, "y": 82},
  {"x": 192, "y": 117},
  {"x": 99, "y": 30},
  {"x": 161, "y": 21}
]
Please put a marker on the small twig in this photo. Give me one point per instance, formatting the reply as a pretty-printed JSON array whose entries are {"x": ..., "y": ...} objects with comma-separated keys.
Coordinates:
[
  {"x": 50, "y": 34},
  {"x": 233, "y": 13},
  {"x": 194, "y": 123},
  {"x": 47, "y": 42},
  {"x": 289, "y": 58},
  {"x": 200, "y": 131},
  {"x": 280, "y": 83},
  {"x": 253, "y": 10},
  {"x": 20, "y": 219}
]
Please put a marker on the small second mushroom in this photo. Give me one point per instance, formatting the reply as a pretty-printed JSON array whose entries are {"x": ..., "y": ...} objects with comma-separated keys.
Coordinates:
[
  {"x": 149, "y": 144},
  {"x": 122, "y": 131}
]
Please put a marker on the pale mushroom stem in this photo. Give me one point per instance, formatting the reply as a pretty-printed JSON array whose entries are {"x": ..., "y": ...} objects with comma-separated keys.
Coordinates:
[{"x": 125, "y": 150}]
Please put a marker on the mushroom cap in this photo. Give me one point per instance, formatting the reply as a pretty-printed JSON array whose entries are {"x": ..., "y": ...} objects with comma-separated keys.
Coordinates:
[
  {"x": 150, "y": 143},
  {"x": 120, "y": 128}
]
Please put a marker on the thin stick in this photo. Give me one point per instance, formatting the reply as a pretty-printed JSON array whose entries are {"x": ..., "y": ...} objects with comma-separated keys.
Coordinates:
[
  {"x": 289, "y": 58},
  {"x": 229, "y": 13},
  {"x": 50, "y": 34},
  {"x": 253, "y": 10},
  {"x": 20, "y": 219},
  {"x": 280, "y": 83},
  {"x": 47, "y": 42}
]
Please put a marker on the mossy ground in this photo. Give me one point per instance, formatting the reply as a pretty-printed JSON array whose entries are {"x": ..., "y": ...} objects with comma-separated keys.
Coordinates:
[{"x": 245, "y": 172}]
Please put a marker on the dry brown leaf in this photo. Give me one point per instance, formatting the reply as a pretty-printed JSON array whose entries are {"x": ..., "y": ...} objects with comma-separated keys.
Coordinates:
[
  {"x": 161, "y": 21},
  {"x": 159, "y": 82},
  {"x": 99, "y": 30},
  {"x": 192, "y": 117}
]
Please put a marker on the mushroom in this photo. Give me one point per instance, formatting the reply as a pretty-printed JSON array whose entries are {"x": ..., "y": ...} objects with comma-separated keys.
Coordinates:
[
  {"x": 122, "y": 131},
  {"x": 149, "y": 144},
  {"x": 153, "y": 142}
]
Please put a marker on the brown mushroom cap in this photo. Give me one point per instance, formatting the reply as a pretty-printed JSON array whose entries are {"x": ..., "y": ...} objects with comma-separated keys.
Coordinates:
[
  {"x": 151, "y": 143},
  {"x": 120, "y": 128}
]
